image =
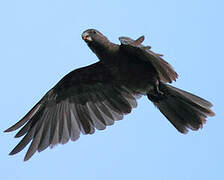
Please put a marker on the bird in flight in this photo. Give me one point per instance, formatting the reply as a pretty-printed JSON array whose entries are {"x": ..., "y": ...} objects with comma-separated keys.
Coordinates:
[{"x": 94, "y": 96}]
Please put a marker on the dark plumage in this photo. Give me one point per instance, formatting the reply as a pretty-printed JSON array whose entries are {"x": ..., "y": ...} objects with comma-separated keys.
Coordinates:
[{"x": 93, "y": 97}]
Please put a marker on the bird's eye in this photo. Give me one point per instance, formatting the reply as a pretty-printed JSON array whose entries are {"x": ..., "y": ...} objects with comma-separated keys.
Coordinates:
[{"x": 93, "y": 31}]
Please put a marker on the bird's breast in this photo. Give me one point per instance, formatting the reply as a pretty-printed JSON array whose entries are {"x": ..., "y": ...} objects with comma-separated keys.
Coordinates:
[{"x": 135, "y": 74}]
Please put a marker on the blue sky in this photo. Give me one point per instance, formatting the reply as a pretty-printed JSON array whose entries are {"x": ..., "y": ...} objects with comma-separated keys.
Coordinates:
[{"x": 40, "y": 42}]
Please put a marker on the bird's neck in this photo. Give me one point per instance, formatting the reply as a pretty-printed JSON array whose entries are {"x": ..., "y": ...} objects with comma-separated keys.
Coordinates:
[{"x": 106, "y": 51}]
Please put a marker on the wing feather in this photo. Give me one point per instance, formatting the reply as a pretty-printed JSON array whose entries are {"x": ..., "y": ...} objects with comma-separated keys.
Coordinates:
[
  {"x": 35, "y": 143},
  {"x": 164, "y": 69},
  {"x": 75, "y": 129},
  {"x": 84, "y": 100},
  {"x": 45, "y": 139}
]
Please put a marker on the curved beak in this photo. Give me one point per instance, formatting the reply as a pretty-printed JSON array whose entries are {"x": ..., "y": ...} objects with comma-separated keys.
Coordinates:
[{"x": 86, "y": 37}]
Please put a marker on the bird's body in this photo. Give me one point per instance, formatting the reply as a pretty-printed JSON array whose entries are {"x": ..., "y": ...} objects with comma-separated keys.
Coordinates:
[
  {"x": 93, "y": 97},
  {"x": 125, "y": 68}
]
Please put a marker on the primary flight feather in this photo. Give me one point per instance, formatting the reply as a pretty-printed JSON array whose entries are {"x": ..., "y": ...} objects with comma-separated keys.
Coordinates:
[{"x": 95, "y": 96}]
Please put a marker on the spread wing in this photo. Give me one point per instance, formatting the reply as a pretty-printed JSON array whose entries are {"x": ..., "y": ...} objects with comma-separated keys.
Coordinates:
[
  {"x": 83, "y": 100},
  {"x": 134, "y": 47}
]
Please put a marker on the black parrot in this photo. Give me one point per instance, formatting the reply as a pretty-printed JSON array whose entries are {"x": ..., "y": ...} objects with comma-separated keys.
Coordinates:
[{"x": 97, "y": 95}]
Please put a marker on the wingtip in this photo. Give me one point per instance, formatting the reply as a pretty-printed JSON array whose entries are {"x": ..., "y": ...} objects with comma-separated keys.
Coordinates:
[
  {"x": 160, "y": 55},
  {"x": 184, "y": 131},
  {"x": 5, "y": 131},
  {"x": 147, "y": 47},
  {"x": 12, "y": 153},
  {"x": 140, "y": 40},
  {"x": 9, "y": 129},
  {"x": 28, "y": 155},
  {"x": 142, "y": 37},
  {"x": 26, "y": 158},
  {"x": 211, "y": 113}
]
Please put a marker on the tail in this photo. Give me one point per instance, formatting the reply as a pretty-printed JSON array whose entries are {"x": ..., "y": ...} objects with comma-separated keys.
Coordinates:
[{"x": 184, "y": 110}]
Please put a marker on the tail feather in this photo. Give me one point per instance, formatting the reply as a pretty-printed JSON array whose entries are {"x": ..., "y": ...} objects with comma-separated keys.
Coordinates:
[
  {"x": 183, "y": 109},
  {"x": 194, "y": 98}
]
